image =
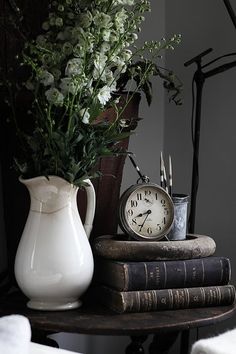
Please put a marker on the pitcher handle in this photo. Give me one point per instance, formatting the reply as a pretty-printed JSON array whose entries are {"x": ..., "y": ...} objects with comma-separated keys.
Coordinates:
[{"x": 91, "y": 204}]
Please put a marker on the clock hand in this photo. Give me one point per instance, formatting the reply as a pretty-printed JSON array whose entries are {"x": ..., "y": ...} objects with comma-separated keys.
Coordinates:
[
  {"x": 147, "y": 212},
  {"x": 138, "y": 216},
  {"x": 141, "y": 214}
]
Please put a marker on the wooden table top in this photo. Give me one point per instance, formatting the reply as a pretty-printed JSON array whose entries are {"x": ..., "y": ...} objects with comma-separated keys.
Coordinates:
[{"x": 95, "y": 319}]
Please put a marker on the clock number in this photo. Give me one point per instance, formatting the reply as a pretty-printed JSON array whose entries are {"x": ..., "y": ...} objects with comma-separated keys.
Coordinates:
[
  {"x": 147, "y": 192},
  {"x": 149, "y": 230},
  {"x": 164, "y": 220},
  {"x": 134, "y": 222},
  {"x": 163, "y": 202},
  {"x": 134, "y": 203},
  {"x": 158, "y": 227},
  {"x": 166, "y": 211},
  {"x": 130, "y": 212},
  {"x": 156, "y": 194},
  {"x": 139, "y": 196}
]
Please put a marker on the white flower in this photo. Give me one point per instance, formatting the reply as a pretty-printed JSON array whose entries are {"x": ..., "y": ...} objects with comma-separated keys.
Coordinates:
[
  {"x": 84, "y": 114},
  {"x": 61, "y": 8},
  {"x": 85, "y": 19},
  {"x": 46, "y": 78},
  {"x": 67, "y": 48},
  {"x": 124, "y": 2},
  {"x": 121, "y": 66},
  {"x": 84, "y": 47},
  {"x": 56, "y": 73},
  {"x": 124, "y": 123},
  {"x": 102, "y": 20},
  {"x": 120, "y": 19},
  {"x": 134, "y": 37},
  {"x": 126, "y": 55},
  {"x": 104, "y": 95},
  {"x": 106, "y": 34},
  {"x": 45, "y": 26},
  {"x": 77, "y": 32},
  {"x": 105, "y": 47},
  {"x": 54, "y": 96},
  {"x": 114, "y": 36},
  {"x": 99, "y": 65},
  {"x": 40, "y": 39},
  {"x": 74, "y": 67},
  {"x": 64, "y": 35},
  {"x": 67, "y": 85},
  {"x": 109, "y": 77},
  {"x": 59, "y": 22}
]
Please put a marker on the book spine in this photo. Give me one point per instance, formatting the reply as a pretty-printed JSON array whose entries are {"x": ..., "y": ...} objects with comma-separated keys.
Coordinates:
[
  {"x": 129, "y": 276},
  {"x": 168, "y": 299}
]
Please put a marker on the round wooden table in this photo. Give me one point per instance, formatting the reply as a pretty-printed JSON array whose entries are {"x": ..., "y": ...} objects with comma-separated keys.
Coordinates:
[{"x": 95, "y": 319}]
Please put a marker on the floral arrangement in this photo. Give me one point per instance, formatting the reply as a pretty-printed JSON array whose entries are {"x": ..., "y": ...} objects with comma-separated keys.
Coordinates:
[{"x": 78, "y": 66}]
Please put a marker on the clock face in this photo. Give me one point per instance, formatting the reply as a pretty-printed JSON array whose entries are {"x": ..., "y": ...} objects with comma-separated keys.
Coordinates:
[{"x": 146, "y": 211}]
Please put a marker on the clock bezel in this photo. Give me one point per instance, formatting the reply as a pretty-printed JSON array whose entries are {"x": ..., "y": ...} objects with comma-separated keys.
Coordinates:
[{"x": 123, "y": 223}]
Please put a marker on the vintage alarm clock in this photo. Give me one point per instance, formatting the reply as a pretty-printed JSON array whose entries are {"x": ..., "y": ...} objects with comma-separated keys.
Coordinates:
[{"x": 146, "y": 211}]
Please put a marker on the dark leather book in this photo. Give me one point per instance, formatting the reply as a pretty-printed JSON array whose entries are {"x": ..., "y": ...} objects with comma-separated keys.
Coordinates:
[
  {"x": 128, "y": 276},
  {"x": 165, "y": 299}
]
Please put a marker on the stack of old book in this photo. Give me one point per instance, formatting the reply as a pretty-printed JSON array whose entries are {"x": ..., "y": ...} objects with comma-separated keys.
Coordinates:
[{"x": 142, "y": 286}]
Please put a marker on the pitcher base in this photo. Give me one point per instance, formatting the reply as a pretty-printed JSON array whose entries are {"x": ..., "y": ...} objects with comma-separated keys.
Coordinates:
[{"x": 53, "y": 306}]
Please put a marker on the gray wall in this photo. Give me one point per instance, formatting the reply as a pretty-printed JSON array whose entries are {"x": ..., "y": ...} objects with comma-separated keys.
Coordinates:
[{"x": 205, "y": 24}]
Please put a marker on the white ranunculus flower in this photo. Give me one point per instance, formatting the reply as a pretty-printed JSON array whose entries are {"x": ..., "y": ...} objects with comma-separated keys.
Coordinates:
[
  {"x": 104, "y": 95},
  {"x": 74, "y": 67},
  {"x": 67, "y": 85},
  {"x": 84, "y": 114},
  {"x": 54, "y": 96},
  {"x": 46, "y": 78}
]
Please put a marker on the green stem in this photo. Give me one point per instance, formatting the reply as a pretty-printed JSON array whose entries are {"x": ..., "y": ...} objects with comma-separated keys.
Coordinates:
[{"x": 133, "y": 92}]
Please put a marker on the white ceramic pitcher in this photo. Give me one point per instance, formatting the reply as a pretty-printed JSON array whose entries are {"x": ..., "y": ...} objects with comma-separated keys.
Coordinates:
[{"x": 54, "y": 262}]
